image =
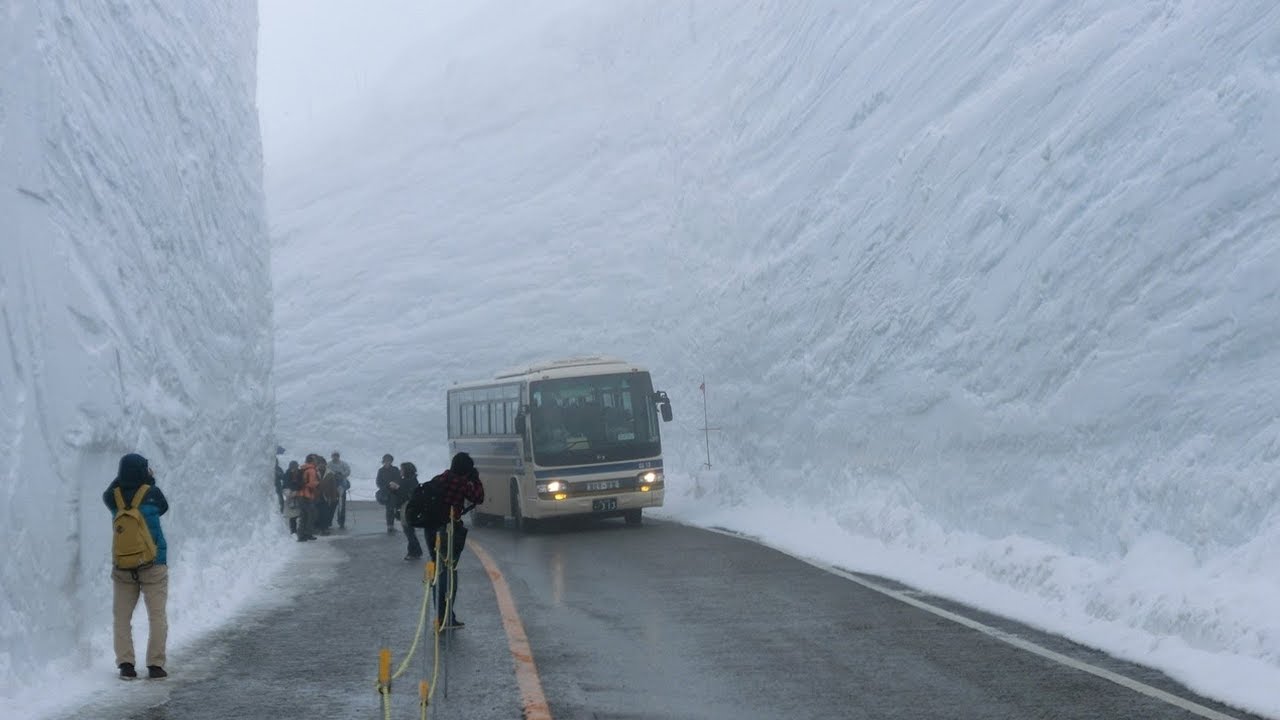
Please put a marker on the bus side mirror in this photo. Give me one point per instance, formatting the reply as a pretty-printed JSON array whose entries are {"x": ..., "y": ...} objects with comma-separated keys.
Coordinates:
[
  {"x": 520, "y": 423},
  {"x": 664, "y": 405}
]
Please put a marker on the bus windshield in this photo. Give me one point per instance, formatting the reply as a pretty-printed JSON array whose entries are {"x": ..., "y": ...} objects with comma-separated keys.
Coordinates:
[{"x": 598, "y": 418}]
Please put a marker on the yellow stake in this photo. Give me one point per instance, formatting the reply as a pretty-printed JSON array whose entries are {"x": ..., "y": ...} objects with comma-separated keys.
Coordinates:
[
  {"x": 424, "y": 690},
  {"x": 384, "y": 667}
]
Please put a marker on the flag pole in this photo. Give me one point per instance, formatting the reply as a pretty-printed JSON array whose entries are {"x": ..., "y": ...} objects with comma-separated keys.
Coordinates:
[{"x": 706, "y": 425}]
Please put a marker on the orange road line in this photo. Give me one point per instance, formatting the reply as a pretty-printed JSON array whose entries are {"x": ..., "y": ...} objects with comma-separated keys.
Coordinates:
[{"x": 535, "y": 703}]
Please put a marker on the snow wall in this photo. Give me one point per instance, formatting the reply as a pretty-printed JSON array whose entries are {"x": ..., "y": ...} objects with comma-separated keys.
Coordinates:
[
  {"x": 135, "y": 315},
  {"x": 984, "y": 293}
]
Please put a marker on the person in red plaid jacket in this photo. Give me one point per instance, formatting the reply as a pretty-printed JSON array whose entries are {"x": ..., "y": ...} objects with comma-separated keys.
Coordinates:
[{"x": 461, "y": 486}]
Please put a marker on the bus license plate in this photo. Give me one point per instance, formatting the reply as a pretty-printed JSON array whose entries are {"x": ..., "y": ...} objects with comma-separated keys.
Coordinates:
[{"x": 604, "y": 505}]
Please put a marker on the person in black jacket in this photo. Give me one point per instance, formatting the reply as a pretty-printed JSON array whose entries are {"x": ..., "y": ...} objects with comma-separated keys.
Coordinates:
[
  {"x": 460, "y": 491},
  {"x": 292, "y": 482},
  {"x": 389, "y": 489},
  {"x": 409, "y": 481},
  {"x": 280, "y": 485}
]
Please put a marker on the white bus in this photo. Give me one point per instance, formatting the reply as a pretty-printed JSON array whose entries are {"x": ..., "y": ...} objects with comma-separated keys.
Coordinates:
[{"x": 568, "y": 437}]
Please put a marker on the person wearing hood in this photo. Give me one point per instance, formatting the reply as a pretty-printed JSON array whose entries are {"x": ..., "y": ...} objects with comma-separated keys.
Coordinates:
[{"x": 150, "y": 580}]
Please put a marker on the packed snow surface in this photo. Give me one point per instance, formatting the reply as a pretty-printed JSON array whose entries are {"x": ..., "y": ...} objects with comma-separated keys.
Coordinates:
[
  {"x": 135, "y": 315},
  {"x": 984, "y": 292}
]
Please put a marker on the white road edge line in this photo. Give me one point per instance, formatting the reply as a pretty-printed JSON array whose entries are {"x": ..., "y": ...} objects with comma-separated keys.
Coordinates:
[{"x": 1001, "y": 635}]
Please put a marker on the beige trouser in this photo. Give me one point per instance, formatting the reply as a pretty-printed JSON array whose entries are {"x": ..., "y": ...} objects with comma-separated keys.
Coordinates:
[{"x": 153, "y": 584}]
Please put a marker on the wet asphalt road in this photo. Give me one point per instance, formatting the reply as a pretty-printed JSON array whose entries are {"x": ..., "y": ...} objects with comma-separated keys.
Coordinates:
[{"x": 660, "y": 621}]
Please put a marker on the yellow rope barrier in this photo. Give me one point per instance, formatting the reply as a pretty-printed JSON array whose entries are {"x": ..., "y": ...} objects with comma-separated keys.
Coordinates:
[
  {"x": 426, "y": 689},
  {"x": 422, "y": 619},
  {"x": 446, "y": 561},
  {"x": 435, "y": 631},
  {"x": 385, "y": 676}
]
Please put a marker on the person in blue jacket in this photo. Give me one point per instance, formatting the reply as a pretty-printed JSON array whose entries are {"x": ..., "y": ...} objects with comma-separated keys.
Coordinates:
[{"x": 151, "y": 581}]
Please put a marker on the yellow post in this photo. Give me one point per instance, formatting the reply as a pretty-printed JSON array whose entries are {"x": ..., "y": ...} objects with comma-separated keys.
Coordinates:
[
  {"x": 384, "y": 667},
  {"x": 424, "y": 691}
]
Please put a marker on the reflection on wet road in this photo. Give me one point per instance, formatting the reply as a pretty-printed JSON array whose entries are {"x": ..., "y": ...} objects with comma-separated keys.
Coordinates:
[{"x": 666, "y": 621}]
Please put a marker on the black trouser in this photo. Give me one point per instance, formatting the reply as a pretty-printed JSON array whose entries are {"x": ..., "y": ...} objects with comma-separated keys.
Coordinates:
[
  {"x": 415, "y": 547},
  {"x": 324, "y": 513},
  {"x": 390, "y": 507},
  {"x": 306, "y": 517},
  {"x": 319, "y": 508},
  {"x": 447, "y": 585}
]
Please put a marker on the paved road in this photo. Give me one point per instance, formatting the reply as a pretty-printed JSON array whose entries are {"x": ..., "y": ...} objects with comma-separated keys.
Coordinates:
[{"x": 661, "y": 621}]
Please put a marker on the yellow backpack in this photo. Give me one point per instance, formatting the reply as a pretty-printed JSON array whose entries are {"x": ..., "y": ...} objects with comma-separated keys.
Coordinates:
[{"x": 131, "y": 543}]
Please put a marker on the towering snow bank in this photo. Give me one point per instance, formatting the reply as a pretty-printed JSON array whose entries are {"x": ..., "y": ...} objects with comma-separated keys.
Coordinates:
[
  {"x": 988, "y": 288},
  {"x": 135, "y": 310}
]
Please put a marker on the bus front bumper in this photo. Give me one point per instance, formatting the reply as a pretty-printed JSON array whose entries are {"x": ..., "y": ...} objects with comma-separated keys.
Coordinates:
[{"x": 602, "y": 505}]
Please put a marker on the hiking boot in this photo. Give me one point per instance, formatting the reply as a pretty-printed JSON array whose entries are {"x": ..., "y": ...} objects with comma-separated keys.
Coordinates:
[
  {"x": 127, "y": 672},
  {"x": 155, "y": 672},
  {"x": 411, "y": 557},
  {"x": 453, "y": 624},
  {"x": 391, "y": 530}
]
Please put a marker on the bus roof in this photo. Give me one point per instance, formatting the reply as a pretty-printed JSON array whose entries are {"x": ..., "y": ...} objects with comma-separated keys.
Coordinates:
[{"x": 566, "y": 367}]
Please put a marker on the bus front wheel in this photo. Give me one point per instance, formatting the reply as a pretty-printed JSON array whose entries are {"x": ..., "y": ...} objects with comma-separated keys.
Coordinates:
[
  {"x": 632, "y": 516},
  {"x": 522, "y": 523}
]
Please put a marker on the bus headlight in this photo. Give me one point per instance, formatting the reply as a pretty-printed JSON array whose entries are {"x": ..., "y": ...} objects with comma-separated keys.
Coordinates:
[
  {"x": 649, "y": 480},
  {"x": 554, "y": 486}
]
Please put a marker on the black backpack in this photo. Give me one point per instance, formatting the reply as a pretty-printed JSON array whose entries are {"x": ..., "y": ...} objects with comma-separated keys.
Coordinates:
[{"x": 427, "y": 508}]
